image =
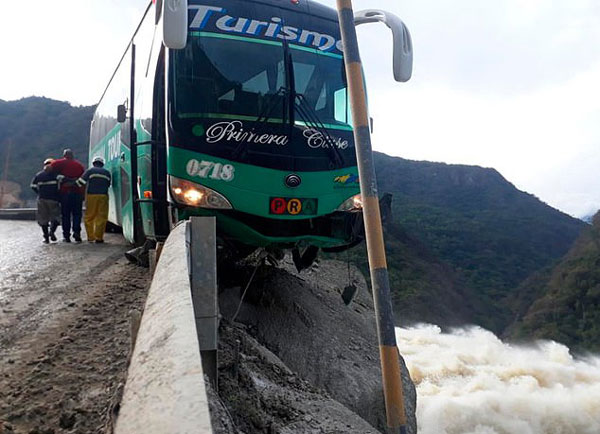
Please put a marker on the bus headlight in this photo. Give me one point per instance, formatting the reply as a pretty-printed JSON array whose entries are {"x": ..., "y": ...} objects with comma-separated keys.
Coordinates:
[
  {"x": 192, "y": 194},
  {"x": 352, "y": 204}
]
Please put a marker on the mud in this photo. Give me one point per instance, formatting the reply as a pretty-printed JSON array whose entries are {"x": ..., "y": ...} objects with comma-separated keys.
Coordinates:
[
  {"x": 64, "y": 331},
  {"x": 260, "y": 394},
  {"x": 297, "y": 359}
]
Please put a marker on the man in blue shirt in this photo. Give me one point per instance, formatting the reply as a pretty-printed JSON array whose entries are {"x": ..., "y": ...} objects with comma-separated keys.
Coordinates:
[
  {"x": 46, "y": 185},
  {"x": 97, "y": 181}
]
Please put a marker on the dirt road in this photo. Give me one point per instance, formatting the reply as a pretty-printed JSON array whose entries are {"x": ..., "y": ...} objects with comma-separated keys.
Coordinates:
[{"x": 64, "y": 330}]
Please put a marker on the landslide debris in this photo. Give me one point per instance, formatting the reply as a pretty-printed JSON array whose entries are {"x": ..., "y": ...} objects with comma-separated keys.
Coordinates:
[
  {"x": 263, "y": 395},
  {"x": 297, "y": 359}
]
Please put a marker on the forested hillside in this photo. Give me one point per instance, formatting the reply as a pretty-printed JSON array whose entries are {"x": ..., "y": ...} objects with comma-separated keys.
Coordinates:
[
  {"x": 489, "y": 235},
  {"x": 473, "y": 218},
  {"x": 425, "y": 288},
  {"x": 567, "y": 308},
  {"x": 460, "y": 241},
  {"x": 37, "y": 128}
]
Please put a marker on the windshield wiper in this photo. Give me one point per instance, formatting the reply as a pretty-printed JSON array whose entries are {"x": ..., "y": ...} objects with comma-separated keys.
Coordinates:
[
  {"x": 311, "y": 119},
  {"x": 262, "y": 119}
]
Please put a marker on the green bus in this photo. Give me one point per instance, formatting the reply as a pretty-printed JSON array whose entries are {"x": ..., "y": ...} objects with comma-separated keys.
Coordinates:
[{"x": 236, "y": 109}]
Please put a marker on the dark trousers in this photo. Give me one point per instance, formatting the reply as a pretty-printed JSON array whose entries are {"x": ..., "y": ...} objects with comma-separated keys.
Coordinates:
[{"x": 71, "y": 206}]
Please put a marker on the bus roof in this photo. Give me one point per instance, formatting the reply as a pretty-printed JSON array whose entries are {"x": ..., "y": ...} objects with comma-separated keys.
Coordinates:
[{"x": 311, "y": 7}]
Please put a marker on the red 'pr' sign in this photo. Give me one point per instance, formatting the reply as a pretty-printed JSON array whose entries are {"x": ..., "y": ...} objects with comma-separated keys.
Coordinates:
[{"x": 278, "y": 205}]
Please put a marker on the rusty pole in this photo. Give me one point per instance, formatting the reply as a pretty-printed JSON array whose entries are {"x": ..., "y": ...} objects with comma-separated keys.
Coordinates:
[{"x": 388, "y": 349}]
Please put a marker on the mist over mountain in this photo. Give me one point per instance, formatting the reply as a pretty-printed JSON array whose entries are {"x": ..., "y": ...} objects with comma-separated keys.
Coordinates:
[
  {"x": 588, "y": 218},
  {"x": 461, "y": 243}
]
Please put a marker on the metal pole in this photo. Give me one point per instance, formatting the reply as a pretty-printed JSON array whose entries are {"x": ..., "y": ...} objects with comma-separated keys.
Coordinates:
[{"x": 388, "y": 350}]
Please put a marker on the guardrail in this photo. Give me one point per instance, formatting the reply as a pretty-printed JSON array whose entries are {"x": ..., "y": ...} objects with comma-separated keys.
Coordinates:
[{"x": 165, "y": 391}]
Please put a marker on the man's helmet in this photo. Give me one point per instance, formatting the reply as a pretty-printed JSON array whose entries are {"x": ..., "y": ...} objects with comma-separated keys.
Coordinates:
[{"x": 98, "y": 159}]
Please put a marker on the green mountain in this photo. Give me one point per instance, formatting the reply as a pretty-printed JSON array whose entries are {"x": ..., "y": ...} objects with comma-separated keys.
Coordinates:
[
  {"x": 426, "y": 288},
  {"x": 37, "y": 128},
  {"x": 480, "y": 237},
  {"x": 460, "y": 241},
  {"x": 566, "y": 298}
]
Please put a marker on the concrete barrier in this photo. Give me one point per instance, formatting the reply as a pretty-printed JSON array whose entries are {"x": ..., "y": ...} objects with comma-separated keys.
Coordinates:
[
  {"x": 17, "y": 213},
  {"x": 165, "y": 391}
]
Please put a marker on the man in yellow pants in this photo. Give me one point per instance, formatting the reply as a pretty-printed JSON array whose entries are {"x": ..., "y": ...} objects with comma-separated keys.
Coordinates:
[{"x": 97, "y": 179}]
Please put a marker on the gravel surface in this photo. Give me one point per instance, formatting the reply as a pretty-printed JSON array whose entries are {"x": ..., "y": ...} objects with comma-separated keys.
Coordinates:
[{"x": 64, "y": 331}]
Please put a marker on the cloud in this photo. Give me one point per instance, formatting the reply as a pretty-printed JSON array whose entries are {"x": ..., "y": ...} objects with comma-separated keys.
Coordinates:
[
  {"x": 511, "y": 85},
  {"x": 65, "y": 50},
  {"x": 530, "y": 138},
  {"x": 494, "y": 47}
]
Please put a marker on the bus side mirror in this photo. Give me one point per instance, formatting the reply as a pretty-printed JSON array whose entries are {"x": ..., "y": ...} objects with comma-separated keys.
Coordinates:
[
  {"x": 175, "y": 23},
  {"x": 121, "y": 113},
  {"x": 403, "y": 49},
  {"x": 158, "y": 4}
]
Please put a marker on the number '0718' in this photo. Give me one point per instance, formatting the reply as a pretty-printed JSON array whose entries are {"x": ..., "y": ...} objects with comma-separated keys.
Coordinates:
[{"x": 210, "y": 169}]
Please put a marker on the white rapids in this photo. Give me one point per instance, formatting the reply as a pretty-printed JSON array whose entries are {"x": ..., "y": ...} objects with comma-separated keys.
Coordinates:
[{"x": 470, "y": 382}]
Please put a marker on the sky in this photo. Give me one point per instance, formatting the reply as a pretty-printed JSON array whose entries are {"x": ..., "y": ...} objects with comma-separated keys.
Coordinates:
[{"x": 512, "y": 85}]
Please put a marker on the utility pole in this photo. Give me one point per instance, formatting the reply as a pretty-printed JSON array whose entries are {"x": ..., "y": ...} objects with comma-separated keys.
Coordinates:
[
  {"x": 386, "y": 330},
  {"x": 4, "y": 180}
]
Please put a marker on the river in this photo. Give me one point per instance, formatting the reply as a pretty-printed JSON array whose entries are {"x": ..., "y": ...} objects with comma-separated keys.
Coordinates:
[{"x": 470, "y": 382}]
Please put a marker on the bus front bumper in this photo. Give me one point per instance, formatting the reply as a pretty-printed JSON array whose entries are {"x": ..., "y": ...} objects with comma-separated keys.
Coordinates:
[{"x": 335, "y": 231}]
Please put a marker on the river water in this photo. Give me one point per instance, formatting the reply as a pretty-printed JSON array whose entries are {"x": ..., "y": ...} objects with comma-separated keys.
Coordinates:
[{"x": 470, "y": 382}]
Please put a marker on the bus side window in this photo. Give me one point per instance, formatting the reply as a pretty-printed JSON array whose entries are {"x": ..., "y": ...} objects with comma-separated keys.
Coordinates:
[{"x": 341, "y": 106}]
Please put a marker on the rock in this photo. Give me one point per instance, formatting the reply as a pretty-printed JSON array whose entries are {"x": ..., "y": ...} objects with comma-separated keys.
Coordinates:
[
  {"x": 67, "y": 420},
  {"x": 303, "y": 320},
  {"x": 261, "y": 399},
  {"x": 219, "y": 415}
]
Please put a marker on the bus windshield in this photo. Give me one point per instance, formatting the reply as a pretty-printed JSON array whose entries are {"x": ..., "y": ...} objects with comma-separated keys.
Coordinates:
[
  {"x": 267, "y": 102},
  {"x": 224, "y": 76},
  {"x": 320, "y": 83},
  {"x": 217, "y": 76}
]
